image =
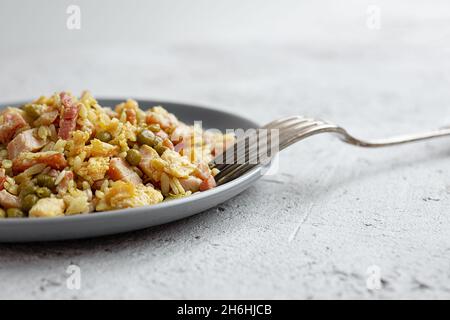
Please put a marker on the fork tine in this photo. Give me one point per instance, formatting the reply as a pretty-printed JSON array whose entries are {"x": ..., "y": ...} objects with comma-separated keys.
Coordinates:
[
  {"x": 255, "y": 151},
  {"x": 241, "y": 141},
  {"x": 285, "y": 122},
  {"x": 280, "y": 121},
  {"x": 302, "y": 133},
  {"x": 297, "y": 125},
  {"x": 281, "y": 124},
  {"x": 302, "y": 130}
]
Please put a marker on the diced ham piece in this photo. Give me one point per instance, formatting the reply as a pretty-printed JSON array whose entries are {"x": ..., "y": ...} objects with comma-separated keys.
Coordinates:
[
  {"x": 202, "y": 171},
  {"x": 181, "y": 132},
  {"x": 208, "y": 184},
  {"x": 158, "y": 119},
  {"x": 24, "y": 142},
  {"x": 120, "y": 170},
  {"x": 2, "y": 178},
  {"x": 179, "y": 146},
  {"x": 160, "y": 116},
  {"x": 191, "y": 183},
  {"x": 12, "y": 121},
  {"x": 53, "y": 173},
  {"x": 98, "y": 184},
  {"x": 26, "y": 160},
  {"x": 162, "y": 134},
  {"x": 148, "y": 154},
  {"x": 64, "y": 184},
  {"x": 131, "y": 115},
  {"x": 168, "y": 144},
  {"x": 8, "y": 200},
  {"x": 69, "y": 116}
]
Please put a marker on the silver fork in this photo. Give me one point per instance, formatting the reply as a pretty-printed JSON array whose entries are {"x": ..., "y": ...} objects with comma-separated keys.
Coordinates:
[{"x": 290, "y": 131}]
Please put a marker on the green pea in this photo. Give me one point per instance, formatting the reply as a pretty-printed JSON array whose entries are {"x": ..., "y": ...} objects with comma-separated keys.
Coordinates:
[
  {"x": 28, "y": 188},
  {"x": 154, "y": 127},
  {"x": 44, "y": 180},
  {"x": 15, "y": 213},
  {"x": 160, "y": 149},
  {"x": 146, "y": 137},
  {"x": 2, "y": 213},
  {"x": 133, "y": 157},
  {"x": 32, "y": 111},
  {"x": 104, "y": 136},
  {"x": 29, "y": 201},
  {"x": 43, "y": 192}
]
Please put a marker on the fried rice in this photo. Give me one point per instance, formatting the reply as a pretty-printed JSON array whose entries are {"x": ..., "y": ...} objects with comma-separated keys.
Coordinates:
[{"x": 63, "y": 155}]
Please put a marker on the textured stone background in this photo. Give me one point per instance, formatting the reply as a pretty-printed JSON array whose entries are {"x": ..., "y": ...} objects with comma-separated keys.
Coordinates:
[{"x": 332, "y": 211}]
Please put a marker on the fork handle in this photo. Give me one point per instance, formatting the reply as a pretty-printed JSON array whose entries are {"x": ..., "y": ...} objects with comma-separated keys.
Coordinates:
[
  {"x": 289, "y": 137},
  {"x": 348, "y": 138}
]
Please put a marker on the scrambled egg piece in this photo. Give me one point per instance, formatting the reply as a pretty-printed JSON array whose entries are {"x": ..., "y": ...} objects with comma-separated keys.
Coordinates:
[
  {"x": 127, "y": 195},
  {"x": 95, "y": 169},
  {"x": 175, "y": 164},
  {"x": 76, "y": 145},
  {"x": 102, "y": 149},
  {"x": 48, "y": 207},
  {"x": 76, "y": 203}
]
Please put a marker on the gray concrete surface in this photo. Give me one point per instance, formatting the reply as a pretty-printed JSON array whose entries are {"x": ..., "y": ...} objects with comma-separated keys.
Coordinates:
[{"x": 329, "y": 215}]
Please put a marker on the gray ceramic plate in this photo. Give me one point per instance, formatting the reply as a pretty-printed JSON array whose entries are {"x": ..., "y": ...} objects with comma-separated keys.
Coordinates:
[{"x": 111, "y": 222}]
